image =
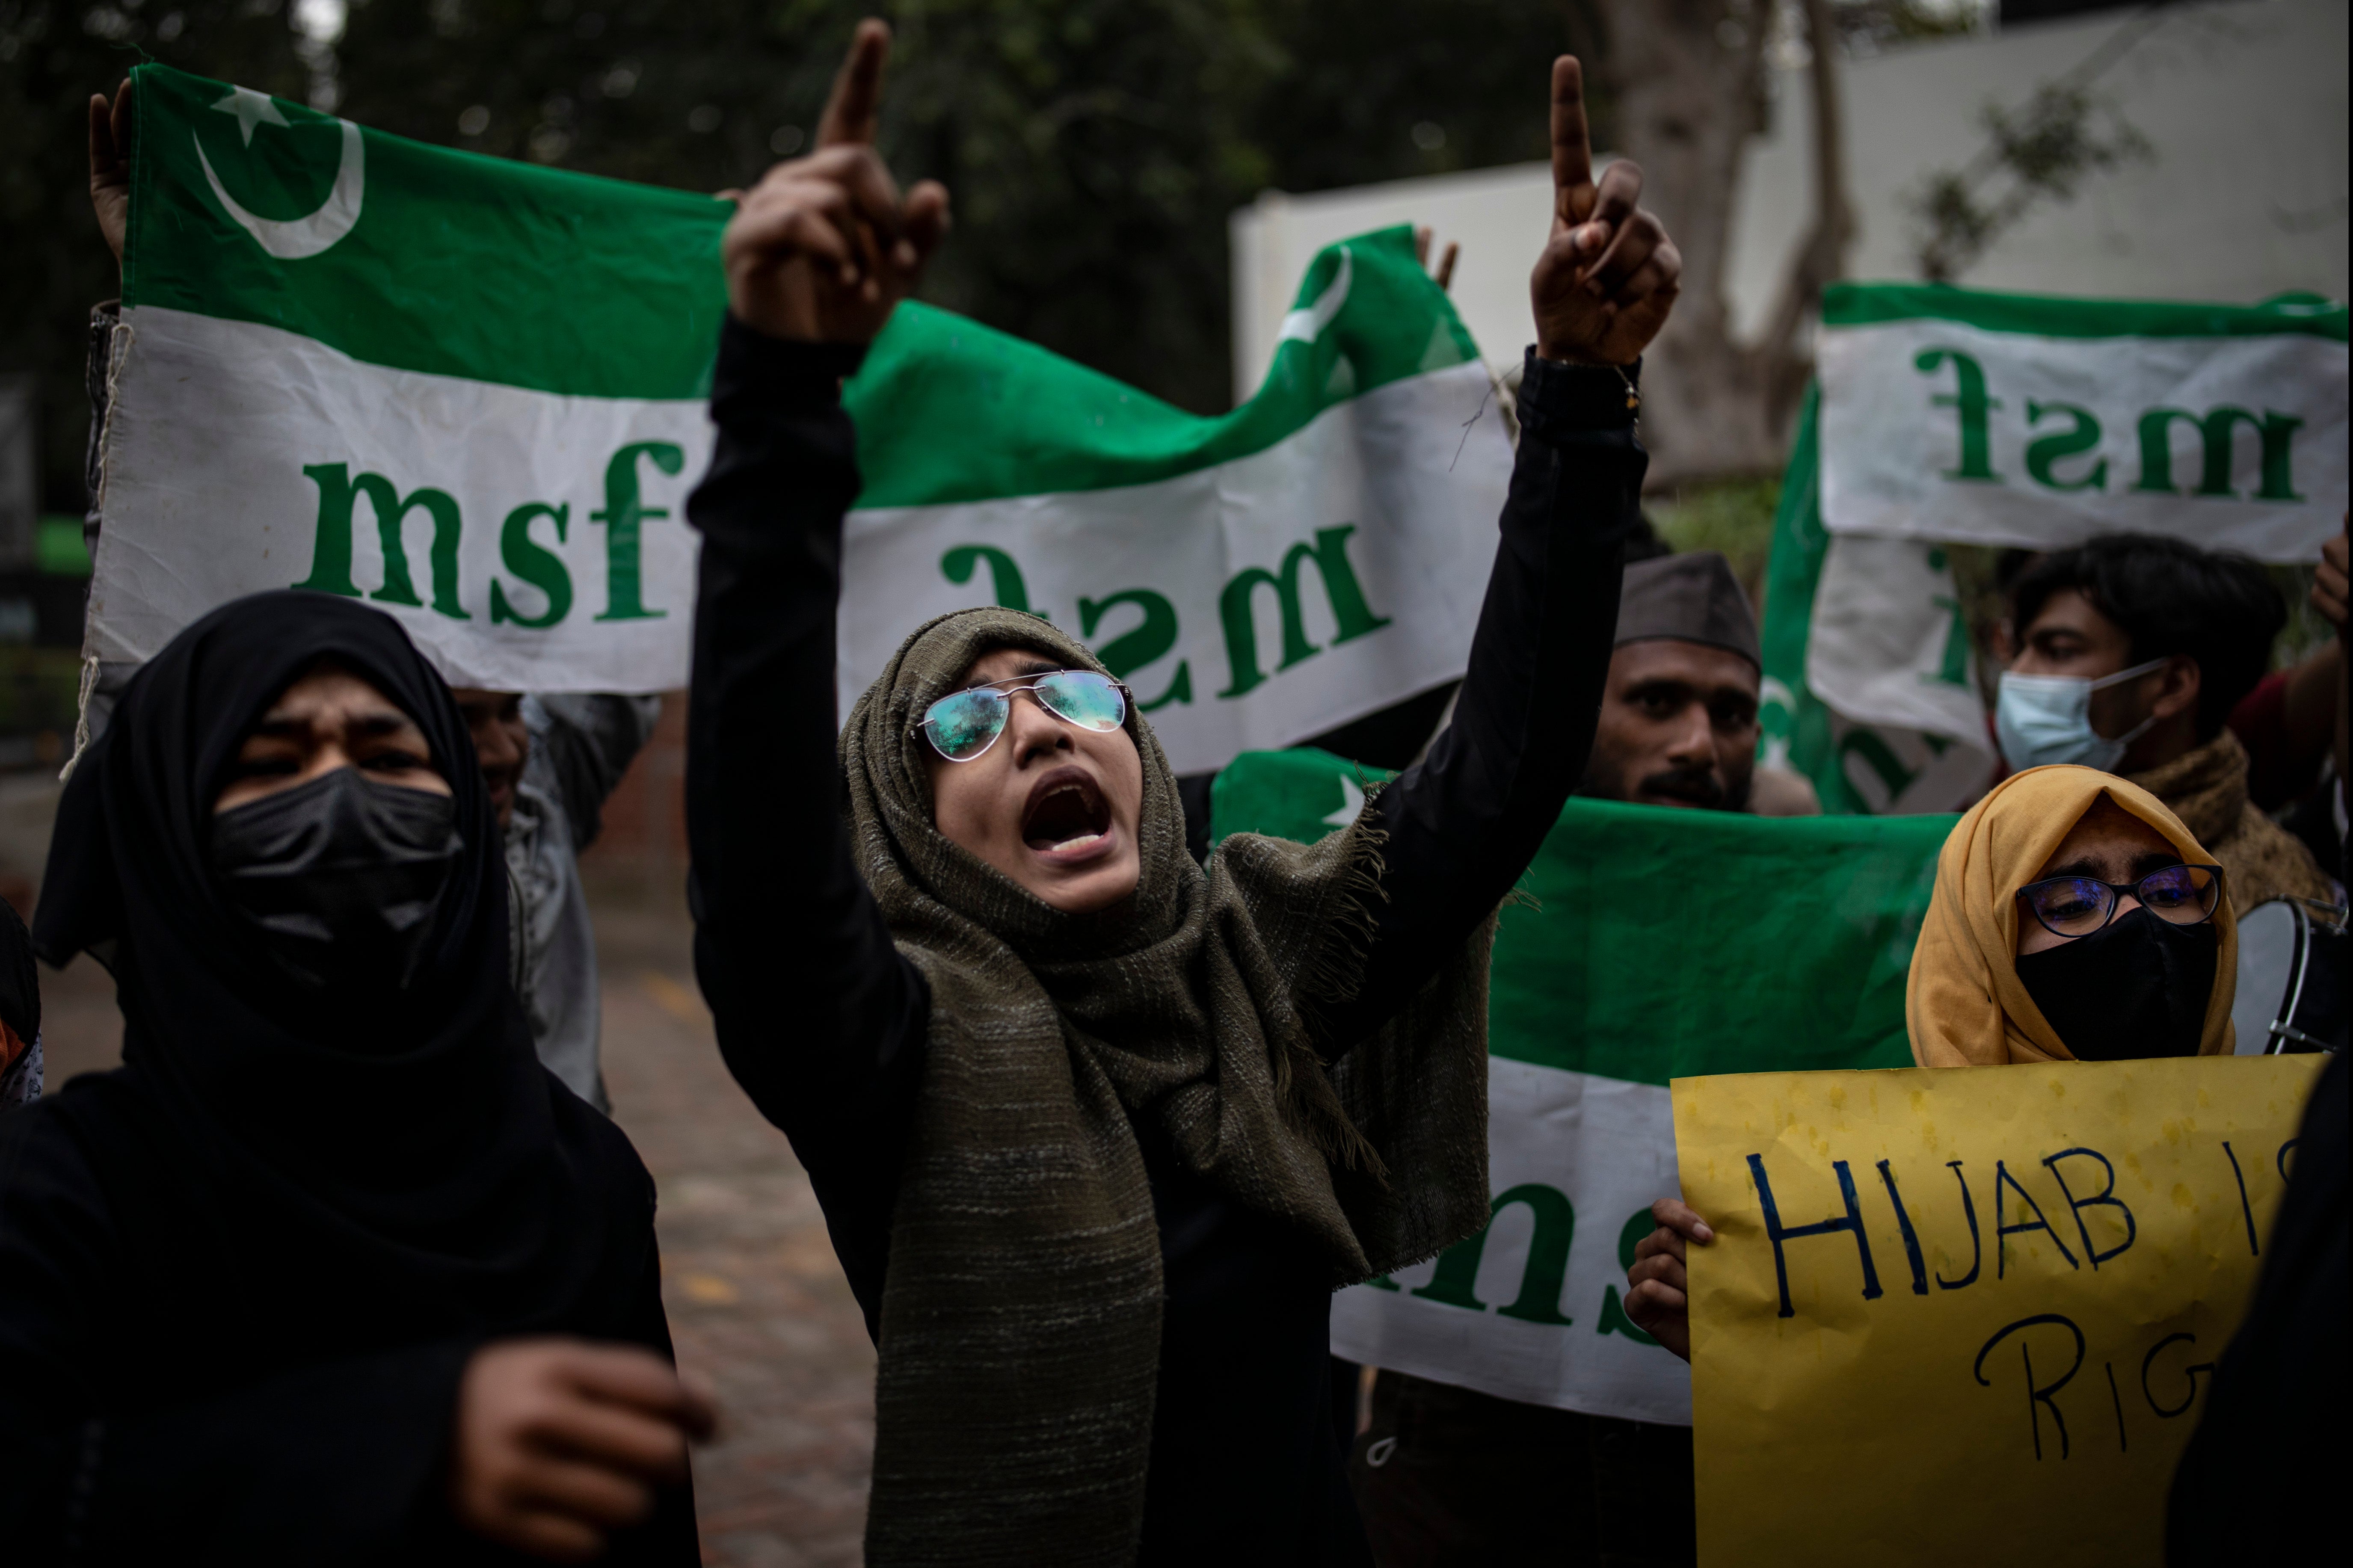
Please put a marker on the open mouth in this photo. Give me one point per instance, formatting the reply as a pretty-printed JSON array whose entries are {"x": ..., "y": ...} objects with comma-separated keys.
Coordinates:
[{"x": 1066, "y": 812}]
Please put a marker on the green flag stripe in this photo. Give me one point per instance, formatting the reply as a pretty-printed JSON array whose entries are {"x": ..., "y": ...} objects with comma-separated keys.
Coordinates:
[
  {"x": 949, "y": 410},
  {"x": 1792, "y": 715},
  {"x": 458, "y": 265},
  {"x": 2052, "y": 316},
  {"x": 1672, "y": 943},
  {"x": 497, "y": 271}
]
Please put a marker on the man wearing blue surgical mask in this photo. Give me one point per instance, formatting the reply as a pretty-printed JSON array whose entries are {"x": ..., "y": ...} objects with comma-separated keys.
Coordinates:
[{"x": 2131, "y": 652}]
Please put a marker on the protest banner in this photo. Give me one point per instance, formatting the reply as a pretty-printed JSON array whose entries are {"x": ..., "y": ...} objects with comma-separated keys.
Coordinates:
[
  {"x": 2006, "y": 1285},
  {"x": 1173, "y": 544},
  {"x": 1662, "y": 943},
  {"x": 1871, "y": 686},
  {"x": 1948, "y": 415},
  {"x": 473, "y": 393},
  {"x": 1954, "y": 415}
]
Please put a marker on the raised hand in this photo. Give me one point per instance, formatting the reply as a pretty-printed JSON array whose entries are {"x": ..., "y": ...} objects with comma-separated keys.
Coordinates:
[
  {"x": 824, "y": 247},
  {"x": 110, "y": 165},
  {"x": 1610, "y": 274}
]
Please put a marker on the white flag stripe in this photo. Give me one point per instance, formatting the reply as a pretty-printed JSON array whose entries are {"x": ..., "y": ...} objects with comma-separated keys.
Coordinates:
[
  {"x": 206, "y": 501},
  {"x": 1418, "y": 493},
  {"x": 1608, "y": 1148},
  {"x": 1940, "y": 431}
]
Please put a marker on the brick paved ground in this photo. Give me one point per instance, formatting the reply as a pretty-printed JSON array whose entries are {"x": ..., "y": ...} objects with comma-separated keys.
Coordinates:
[{"x": 756, "y": 1302}]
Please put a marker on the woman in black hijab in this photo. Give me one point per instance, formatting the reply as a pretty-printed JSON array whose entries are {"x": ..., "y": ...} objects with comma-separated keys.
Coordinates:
[{"x": 285, "y": 1287}]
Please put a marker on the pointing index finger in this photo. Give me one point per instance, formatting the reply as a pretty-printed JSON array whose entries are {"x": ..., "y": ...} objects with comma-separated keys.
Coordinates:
[
  {"x": 854, "y": 110},
  {"x": 1572, "y": 143}
]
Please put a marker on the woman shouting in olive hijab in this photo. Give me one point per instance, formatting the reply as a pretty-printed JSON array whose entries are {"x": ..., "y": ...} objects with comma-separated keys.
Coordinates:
[{"x": 1098, "y": 1131}]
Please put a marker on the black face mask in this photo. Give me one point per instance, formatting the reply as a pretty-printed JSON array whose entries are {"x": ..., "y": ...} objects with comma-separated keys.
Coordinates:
[
  {"x": 2137, "y": 987},
  {"x": 341, "y": 874}
]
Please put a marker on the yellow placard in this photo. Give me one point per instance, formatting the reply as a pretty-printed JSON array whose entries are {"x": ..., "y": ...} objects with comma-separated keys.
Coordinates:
[{"x": 1967, "y": 1315}]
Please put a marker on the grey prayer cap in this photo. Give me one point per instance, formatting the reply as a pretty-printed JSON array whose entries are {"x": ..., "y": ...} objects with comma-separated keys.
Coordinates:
[{"x": 1692, "y": 598}]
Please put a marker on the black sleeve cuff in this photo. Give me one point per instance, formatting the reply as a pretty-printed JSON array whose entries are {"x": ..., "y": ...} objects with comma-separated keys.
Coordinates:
[
  {"x": 781, "y": 373},
  {"x": 1556, "y": 398}
]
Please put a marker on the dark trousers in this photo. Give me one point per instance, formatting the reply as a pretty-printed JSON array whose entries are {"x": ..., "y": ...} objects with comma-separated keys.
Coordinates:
[{"x": 1449, "y": 1478}]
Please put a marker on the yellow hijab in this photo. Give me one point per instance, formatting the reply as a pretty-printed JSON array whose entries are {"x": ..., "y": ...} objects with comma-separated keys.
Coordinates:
[{"x": 1963, "y": 1002}]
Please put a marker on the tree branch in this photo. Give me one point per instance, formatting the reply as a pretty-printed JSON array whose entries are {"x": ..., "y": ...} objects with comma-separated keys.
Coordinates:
[{"x": 1822, "y": 259}]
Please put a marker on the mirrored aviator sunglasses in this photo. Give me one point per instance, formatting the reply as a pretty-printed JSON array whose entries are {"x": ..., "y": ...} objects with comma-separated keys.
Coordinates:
[
  {"x": 964, "y": 724},
  {"x": 2078, "y": 906}
]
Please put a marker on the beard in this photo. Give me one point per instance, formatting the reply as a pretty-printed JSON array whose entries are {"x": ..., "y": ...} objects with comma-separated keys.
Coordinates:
[
  {"x": 1701, "y": 788},
  {"x": 1690, "y": 786}
]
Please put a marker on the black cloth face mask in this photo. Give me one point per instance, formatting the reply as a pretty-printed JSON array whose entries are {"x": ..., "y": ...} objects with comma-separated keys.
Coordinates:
[
  {"x": 2138, "y": 986},
  {"x": 341, "y": 874}
]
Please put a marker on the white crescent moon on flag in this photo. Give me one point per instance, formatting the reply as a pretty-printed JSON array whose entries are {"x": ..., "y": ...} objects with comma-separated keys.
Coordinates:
[
  {"x": 292, "y": 239},
  {"x": 1352, "y": 804},
  {"x": 1307, "y": 324}
]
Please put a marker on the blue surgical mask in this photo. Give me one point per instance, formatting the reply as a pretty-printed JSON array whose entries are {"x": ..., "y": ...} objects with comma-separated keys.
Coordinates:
[{"x": 2046, "y": 719}]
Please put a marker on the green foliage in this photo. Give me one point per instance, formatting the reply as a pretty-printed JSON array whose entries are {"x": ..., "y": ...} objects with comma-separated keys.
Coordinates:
[
  {"x": 2061, "y": 136},
  {"x": 1734, "y": 517},
  {"x": 1386, "y": 89},
  {"x": 1868, "y": 27},
  {"x": 53, "y": 266},
  {"x": 1095, "y": 148}
]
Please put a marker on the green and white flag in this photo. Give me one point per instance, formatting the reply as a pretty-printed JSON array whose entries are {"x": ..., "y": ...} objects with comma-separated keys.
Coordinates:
[
  {"x": 1258, "y": 577},
  {"x": 1945, "y": 416},
  {"x": 473, "y": 393},
  {"x": 1955, "y": 416},
  {"x": 1869, "y": 687},
  {"x": 1666, "y": 943}
]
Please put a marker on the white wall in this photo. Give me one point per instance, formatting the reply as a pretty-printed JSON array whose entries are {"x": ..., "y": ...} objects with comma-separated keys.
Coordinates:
[{"x": 2243, "y": 103}]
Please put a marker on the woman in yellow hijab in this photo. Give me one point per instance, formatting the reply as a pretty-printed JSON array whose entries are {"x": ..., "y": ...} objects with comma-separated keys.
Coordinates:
[{"x": 2075, "y": 918}]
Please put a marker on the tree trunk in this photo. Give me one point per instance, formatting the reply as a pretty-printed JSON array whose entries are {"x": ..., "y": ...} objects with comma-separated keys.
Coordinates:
[{"x": 1690, "y": 93}]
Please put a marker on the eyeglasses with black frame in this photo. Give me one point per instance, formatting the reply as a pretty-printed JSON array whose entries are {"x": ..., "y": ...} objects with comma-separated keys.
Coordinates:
[
  {"x": 964, "y": 724},
  {"x": 2078, "y": 906}
]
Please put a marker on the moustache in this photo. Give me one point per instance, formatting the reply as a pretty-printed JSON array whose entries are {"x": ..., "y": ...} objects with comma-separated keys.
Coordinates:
[{"x": 1696, "y": 785}]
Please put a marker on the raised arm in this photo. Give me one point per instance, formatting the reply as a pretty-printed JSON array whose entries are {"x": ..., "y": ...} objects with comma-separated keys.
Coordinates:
[
  {"x": 1464, "y": 823},
  {"x": 585, "y": 744},
  {"x": 819, "y": 1019}
]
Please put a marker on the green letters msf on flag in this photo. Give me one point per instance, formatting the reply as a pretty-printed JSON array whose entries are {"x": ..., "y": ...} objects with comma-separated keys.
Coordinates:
[
  {"x": 473, "y": 393},
  {"x": 1955, "y": 416},
  {"x": 468, "y": 391},
  {"x": 1945, "y": 416},
  {"x": 1257, "y": 577}
]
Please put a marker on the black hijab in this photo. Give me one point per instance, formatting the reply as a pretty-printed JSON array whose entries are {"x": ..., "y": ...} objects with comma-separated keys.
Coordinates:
[{"x": 396, "y": 1165}]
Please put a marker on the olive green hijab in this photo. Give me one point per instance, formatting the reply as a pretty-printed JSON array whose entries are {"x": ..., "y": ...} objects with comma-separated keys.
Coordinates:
[{"x": 1020, "y": 1332}]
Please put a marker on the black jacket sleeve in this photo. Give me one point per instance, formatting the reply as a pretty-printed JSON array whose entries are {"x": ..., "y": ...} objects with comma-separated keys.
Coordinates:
[
  {"x": 1464, "y": 822},
  {"x": 589, "y": 742},
  {"x": 819, "y": 1017}
]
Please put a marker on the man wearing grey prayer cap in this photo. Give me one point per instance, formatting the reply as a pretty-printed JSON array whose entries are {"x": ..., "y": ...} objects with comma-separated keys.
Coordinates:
[
  {"x": 1679, "y": 715},
  {"x": 1448, "y": 1474}
]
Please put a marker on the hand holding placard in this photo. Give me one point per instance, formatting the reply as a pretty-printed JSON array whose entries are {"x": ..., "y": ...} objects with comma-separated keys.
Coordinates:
[{"x": 2003, "y": 1284}]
